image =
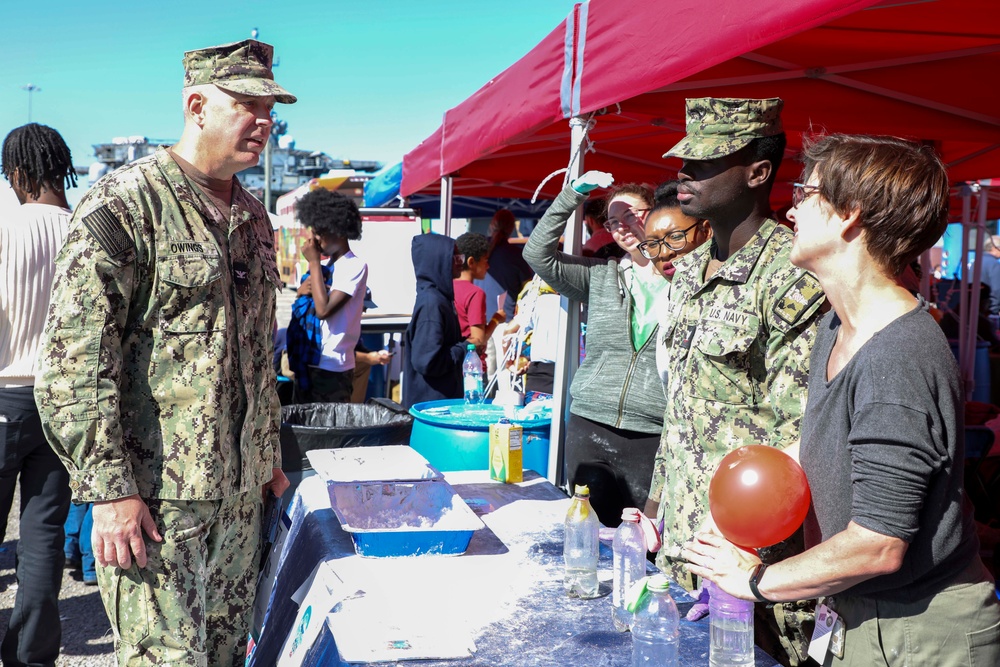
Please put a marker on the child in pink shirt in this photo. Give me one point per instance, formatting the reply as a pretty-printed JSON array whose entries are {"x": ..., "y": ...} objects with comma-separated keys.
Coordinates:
[{"x": 470, "y": 301}]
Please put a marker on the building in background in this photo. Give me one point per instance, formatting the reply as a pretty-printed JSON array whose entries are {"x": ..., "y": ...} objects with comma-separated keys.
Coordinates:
[{"x": 290, "y": 167}]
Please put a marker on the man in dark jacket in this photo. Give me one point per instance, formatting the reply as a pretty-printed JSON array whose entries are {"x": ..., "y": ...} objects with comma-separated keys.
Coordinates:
[{"x": 434, "y": 342}]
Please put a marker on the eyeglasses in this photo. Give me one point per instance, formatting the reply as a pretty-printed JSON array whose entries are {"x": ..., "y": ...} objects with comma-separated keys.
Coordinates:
[
  {"x": 633, "y": 216},
  {"x": 802, "y": 192},
  {"x": 458, "y": 258},
  {"x": 675, "y": 240}
]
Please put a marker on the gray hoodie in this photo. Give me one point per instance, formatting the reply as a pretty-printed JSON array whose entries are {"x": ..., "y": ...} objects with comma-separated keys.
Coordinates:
[{"x": 616, "y": 385}]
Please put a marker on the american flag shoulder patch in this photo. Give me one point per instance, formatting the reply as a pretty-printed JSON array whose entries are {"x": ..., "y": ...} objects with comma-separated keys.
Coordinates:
[{"x": 108, "y": 230}]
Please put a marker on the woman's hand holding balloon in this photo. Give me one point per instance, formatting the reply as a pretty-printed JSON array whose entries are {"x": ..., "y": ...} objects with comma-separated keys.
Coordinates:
[
  {"x": 712, "y": 557},
  {"x": 758, "y": 496}
]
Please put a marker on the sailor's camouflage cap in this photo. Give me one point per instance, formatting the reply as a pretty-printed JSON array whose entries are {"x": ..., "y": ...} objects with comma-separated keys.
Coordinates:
[
  {"x": 240, "y": 67},
  {"x": 720, "y": 126}
]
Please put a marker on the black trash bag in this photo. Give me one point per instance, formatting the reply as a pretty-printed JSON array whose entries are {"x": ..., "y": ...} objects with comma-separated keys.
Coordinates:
[{"x": 309, "y": 426}]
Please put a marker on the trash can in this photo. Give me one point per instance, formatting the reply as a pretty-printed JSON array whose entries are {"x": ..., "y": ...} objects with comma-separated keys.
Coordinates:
[{"x": 309, "y": 426}]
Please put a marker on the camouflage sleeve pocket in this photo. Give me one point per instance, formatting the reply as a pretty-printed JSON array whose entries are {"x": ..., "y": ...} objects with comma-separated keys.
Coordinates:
[
  {"x": 105, "y": 227},
  {"x": 799, "y": 301},
  {"x": 68, "y": 376}
]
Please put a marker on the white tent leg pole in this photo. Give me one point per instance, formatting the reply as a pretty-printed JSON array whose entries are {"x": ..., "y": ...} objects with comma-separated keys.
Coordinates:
[
  {"x": 963, "y": 300},
  {"x": 568, "y": 357},
  {"x": 977, "y": 271},
  {"x": 446, "y": 195}
]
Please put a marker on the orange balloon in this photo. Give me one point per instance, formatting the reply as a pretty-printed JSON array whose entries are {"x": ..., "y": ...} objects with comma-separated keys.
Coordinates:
[{"x": 759, "y": 496}]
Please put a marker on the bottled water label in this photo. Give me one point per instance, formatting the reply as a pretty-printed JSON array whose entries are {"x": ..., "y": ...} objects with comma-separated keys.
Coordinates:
[{"x": 473, "y": 383}]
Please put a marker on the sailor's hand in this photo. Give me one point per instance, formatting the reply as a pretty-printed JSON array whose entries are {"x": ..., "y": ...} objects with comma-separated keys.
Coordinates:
[
  {"x": 278, "y": 484},
  {"x": 118, "y": 528}
]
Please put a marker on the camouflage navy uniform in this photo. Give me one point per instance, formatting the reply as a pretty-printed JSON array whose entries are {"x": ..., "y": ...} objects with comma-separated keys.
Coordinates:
[
  {"x": 738, "y": 352},
  {"x": 157, "y": 380},
  {"x": 737, "y": 348}
]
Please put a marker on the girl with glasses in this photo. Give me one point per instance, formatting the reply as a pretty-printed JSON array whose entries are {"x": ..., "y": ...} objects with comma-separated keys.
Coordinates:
[
  {"x": 617, "y": 397},
  {"x": 669, "y": 232}
]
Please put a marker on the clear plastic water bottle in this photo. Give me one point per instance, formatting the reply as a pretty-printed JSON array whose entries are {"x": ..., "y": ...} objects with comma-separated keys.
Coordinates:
[
  {"x": 629, "y": 565},
  {"x": 656, "y": 630},
  {"x": 472, "y": 375},
  {"x": 730, "y": 629},
  {"x": 581, "y": 547}
]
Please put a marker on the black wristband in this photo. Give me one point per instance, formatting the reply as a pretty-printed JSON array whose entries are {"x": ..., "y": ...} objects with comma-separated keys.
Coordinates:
[{"x": 755, "y": 577}]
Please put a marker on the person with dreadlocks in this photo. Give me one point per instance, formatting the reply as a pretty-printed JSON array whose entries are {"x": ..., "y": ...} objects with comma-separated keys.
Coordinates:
[{"x": 38, "y": 166}]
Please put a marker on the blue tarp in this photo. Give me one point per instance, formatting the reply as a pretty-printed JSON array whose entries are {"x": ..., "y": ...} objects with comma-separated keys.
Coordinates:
[{"x": 384, "y": 187}]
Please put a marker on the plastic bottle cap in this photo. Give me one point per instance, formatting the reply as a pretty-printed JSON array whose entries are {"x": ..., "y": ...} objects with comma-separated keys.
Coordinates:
[
  {"x": 470, "y": 346},
  {"x": 640, "y": 590},
  {"x": 581, "y": 490},
  {"x": 658, "y": 582},
  {"x": 631, "y": 514}
]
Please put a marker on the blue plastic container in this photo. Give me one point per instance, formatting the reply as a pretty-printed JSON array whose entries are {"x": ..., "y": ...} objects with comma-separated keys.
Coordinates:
[
  {"x": 453, "y": 436},
  {"x": 393, "y": 519}
]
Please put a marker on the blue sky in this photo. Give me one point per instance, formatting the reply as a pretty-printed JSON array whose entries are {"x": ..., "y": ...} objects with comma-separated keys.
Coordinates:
[{"x": 373, "y": 79}]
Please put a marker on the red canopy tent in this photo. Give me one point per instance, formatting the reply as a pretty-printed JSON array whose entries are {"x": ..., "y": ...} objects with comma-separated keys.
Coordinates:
[
  {"x": 618, "y": 74},
  {"x": 920, "y": 69}
]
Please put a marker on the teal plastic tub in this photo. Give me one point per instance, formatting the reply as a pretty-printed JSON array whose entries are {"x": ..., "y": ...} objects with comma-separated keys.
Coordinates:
[{"x": 454, "y": 436}]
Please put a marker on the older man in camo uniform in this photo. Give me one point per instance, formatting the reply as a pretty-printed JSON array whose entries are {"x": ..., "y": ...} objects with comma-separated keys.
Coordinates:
[
  {"x": 740, "y": 322},
  {"x": 156, "y": 387}
]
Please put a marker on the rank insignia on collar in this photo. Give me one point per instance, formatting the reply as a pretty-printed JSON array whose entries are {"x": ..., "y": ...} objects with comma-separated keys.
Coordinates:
[{"x": 241, "y": 273}]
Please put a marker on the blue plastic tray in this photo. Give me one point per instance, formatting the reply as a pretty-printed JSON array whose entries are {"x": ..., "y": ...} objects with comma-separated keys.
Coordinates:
[{"x": 393, "y": 519}]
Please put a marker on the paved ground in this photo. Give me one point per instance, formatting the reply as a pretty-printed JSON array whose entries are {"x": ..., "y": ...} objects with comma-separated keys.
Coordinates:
[{"x": 86, "y": 633}]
